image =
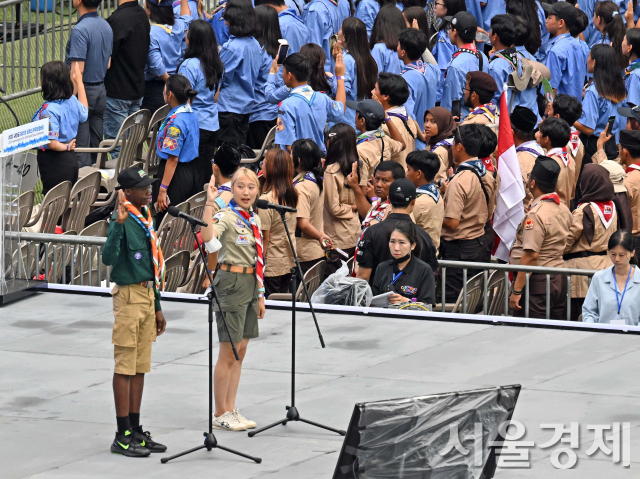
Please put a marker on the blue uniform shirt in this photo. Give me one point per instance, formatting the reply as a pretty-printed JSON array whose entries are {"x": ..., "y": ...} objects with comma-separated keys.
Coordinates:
[
  {"x": 91, "y": 42},
  {"x": 193, "y": 9},
  {"x": 367, "y": 11},
  {"x": 422, "y": 79},
  {"x": 475, "y": 9},
  {"x": 350, "y": 86},
  {"x": 263, "y": 109},
  {"x": 303, "y": 114},
  {"x": 386, "y": 59},
  {"x": 179, "y": 134},
  {"x": 632, "y": 82},
  {"x": 443, "y": 50},
  {"x": 165, "y": 49},
  {"x": 64, "y": 117},
  {"x": 296, "y": 5},
  {"x": 204, "y": 104},
  {"x": 541, "y": 54},
  {"x": 491, "y": 9},
  {"x": 591, "y": 35},
  {"x": 500, "y": 69},
  {"x": 242, "y": 58},
  {"x": 293, "y": 30},
  {"x": 344, "y": 10},
  {"x": 568, "y": 65},
  {"x": 456, "y": 78},
  {"x": 597, "y": 110},
  {"x": 321, "y": 18},
  {"x": 220, "y": 28}
]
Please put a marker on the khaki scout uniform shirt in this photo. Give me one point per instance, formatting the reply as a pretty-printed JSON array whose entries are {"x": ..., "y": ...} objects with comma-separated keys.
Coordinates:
[
  {"x": 544, "y": 229},
  {"x": 565, "y": 187},
  {"x": 223, "y": 198},
  {"x": 341, "y": 223},
  {"x": 464, "y": 200},
  {"x": 372, "y": 153},
  {"x": 576, "y": 242},
  {"x": 408, "y": 138},
  {"x": 311, "y": 207},
  {"x": 443, "y": 154},
  {"x": 278, "y": 258},
  {"x": 429, "y": 215},
  {"x": 238, "y": 242},
  {"x": 632, "y": 183}
]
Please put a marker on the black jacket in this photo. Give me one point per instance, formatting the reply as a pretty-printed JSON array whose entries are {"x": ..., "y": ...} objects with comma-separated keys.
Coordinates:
[{"x": 416, "y": 281}]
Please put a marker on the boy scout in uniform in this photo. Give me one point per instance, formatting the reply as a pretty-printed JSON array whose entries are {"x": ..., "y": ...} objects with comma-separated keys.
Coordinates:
[
  {"x": 540, "y": 241},
  {"x": 553, "y": 136},
  {"x": 523, "y": 124},
  {"x": 133, "y": 251},
  {"x": 478, "y": 92}
]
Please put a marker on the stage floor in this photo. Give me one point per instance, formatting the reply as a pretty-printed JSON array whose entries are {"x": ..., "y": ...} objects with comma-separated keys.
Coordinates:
[{"x": 57, "y": 417}]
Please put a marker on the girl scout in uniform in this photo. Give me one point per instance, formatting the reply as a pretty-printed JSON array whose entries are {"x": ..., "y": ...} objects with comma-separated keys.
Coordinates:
[
  {"x": 56, "y": 160},
  {"x": 178, "y": 139},
  {"x": 233, "y": 237}
]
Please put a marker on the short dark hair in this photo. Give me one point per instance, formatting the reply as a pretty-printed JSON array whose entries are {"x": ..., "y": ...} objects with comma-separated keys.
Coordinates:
[
  {"x": 580, "y": 25},
  {"x": 567, "y": 107},
  {"x": 298, "y": 65},
  {"x": 414, "y": 42},
  {"x": 227, "y": 158},
  {"x": 543, "y": 186},
  {"x": 622, "y": 238},
  {"x": 56, "y": 81},
  {"x": 91, "y": 4},
  {"x": 425, "y": 161},
  {"x": 181, "y": 88},
  {"x": 241, "y": 18},
  {"x": 275, "y": 3},
  {"x": 505, "y": 28},
  {"x": 394, "y": 86},
  {"x": 524, "y": 135},
  {"x": 470, "y": 137},
  {"x": 489, "y": 141},
  {"x": 483, "y": 95},
  {"x": 634, "y": 151},
  {"x": 396, "y": 169},
  {"x": 557, "y": 130},
  {"x": 161, "y": 15}
]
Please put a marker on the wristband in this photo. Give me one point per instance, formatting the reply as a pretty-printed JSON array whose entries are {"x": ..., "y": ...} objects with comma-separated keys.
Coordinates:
[
  {"x": 340, "y": 77},
  {"x": 260, "y": 290},
  {"x": 517, "y": 293},
  {"x": 67, "y": 146},
  {"x": 387, "y": 119},
  {"x": 164, "y": 186},
  {"x": 261, "y": 295}
]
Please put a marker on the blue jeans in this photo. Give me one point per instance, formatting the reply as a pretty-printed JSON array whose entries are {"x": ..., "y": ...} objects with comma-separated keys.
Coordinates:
[{"x": 115, "y": 113}]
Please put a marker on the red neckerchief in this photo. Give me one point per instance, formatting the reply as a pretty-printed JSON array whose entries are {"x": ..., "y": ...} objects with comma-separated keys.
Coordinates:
[
  {"x": 561, "y": 152},
  {"x": 635, "y": 166},
  {"x": 574, "y": 141},
  {"x": 550, "y": 197},
  {"x": 376, "y": 212},
  {"x": 605, "y": 210},
  {"x": 488, "y": 164},
  {"x": 469, "y": 48}
]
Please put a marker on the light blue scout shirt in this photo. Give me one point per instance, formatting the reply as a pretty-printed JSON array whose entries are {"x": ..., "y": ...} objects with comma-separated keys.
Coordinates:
[
  {"x": 321, "y": 18},
  {"x": 591, "y": 35},
  {"x": 568, "y": 65},
  {"x": 443, "y": 50},
  {"x": 296, "y": 5},
  {"x": 541, "y": 54},
  {"x": 165, "y": 49},
  {"x": 350, "y": 86},
  {"x": 293, "y": 30},
  {"x": 242, "y": 58},
  {"x": 262, "y": 109},
  {"x": 500, "y": 69},
  {"x": 303, "y": 114},
  {"x": 193, "y": 9},
  {"x": 64, "y": 117},
  {"x": 597, "y": 110},
  {"x": 475, "y": 9},
  {"x": 367, "y": 11},
  {"x": 275, "y": 90},
  {"x": 422, "y": 79},
  {"x": 601, "y": 305},
  {"x": 179, "y": 134},
  {"x": 220, "y": 29},
  {"x": 204, "y": 104},
  {"x": 490, "y": 10},
  {"x": 387, "y": 60},
  {"x": 344, "y": 10},
  {"x": 456, "y": 78},
  {"x": 91, "y": 42},
  {"x": 632, "y": 82}
]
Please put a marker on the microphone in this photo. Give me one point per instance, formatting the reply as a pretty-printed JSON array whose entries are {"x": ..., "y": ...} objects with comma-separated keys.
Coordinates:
[
  {"x": 173, "y": 211},
  {"x": 265, "y": 205}
]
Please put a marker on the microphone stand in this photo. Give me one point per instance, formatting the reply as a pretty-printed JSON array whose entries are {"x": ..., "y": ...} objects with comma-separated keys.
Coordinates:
[
  {"x": 210, "y": 440},
  {"x": 292, "y": 411}
]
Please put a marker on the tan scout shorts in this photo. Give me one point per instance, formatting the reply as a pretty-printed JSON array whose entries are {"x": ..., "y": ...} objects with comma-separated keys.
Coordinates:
[
  {"x": 238, "y": 294},
  {"x": 134, "y": 328}
]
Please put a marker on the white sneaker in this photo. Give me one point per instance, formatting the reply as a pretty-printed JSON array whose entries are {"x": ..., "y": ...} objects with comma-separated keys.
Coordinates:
[
  {"x": 228, "y": 422},
  {"x": 243, "y": 420}
]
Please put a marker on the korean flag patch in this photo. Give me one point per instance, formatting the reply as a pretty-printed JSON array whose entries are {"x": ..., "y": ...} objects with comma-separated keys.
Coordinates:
[
  {"x": 279, "y": 125},
  {"x": 242, "y": 240}
]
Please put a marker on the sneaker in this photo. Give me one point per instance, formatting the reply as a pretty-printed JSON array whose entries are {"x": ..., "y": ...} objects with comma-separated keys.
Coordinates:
[
  {"x": 228, "y": 422},
  {"x": 126, "y": 445},
  {"x": 144, "y": 439},
  {"x": 243, "y": 420}
]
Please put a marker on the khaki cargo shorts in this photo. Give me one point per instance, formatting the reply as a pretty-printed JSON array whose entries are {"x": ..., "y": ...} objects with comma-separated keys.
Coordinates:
[
  {"x": 134, "y": 328},
  {"x": 238, "y": 294}
]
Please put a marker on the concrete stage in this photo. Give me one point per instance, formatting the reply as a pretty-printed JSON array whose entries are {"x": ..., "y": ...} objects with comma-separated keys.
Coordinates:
[{"x": 57, "y": 415}]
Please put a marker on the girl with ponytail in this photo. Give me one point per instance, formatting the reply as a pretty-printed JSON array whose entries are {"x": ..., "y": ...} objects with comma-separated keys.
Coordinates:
[
  {"x": 177, "y": 147},
  {"x": 609, "y": 22}
]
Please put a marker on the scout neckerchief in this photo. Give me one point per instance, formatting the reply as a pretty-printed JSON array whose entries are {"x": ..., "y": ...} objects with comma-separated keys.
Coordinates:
[
  {"x": 561, "y": 152},
  {"x": 630, "y": 168},
  {"x": 377, "y": 212},
  {"x": 429, "y": 189},
  {"x": 305, "y": 92},
  {"x": 531, "y": 147},
  {"x": 605, "y": 210},
  {"x": 550, "y": 197},
  {"x": 307, "y": 176},
  {"x": 166, "y": 28},
  {"x": 156, "y": 252},
  {"x": 335, "y": 3},
  {"x": 488, "y": 109},
  {"x": 225, "y": 187},
  {"x": 446, "y": 142},
  {"x": 250, "y": 220},
  {"x": 488, "y": 164},
  {"x": 162, "y": 132},
  {"x": 508, "y": 54},
  {"x": 477, "y": 165},
  {"x": 370, "y": 136},
  {"x": 398, "y": 112},
  {"x": 418, "y": 65},
  {"x": 219, "y": 201},
  {"x": 574, "y": 141},
  {"x": 635, "y": 64}
]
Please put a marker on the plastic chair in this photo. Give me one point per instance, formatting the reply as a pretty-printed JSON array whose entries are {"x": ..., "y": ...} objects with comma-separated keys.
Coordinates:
[
  {"x": 475, "y": 293},
  {"x": 196, "y": 275},
  {"x": 53, "y": 207},
  {"x": 312, "y": 278},
  {"x": 197, "y": 203},
  {"x": 62, "y": 257},
  {"x": 176, "y": 268},
  {"x": 175, "y": 233},
  {"x": 496, "y": 289},
  {"x": 83, "y": 194},
  {"x": 87, "y": 258},
  {"x": 151, "y": 160},
  {"x": 25, "y": 208},
  {"x": 266, "y": 144}
]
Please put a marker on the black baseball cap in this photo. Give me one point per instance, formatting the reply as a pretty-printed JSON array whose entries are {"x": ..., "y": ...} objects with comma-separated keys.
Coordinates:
[
  {"x": 402, "y": 192},
  {"x": 370, "y": 109},
  {"x": 563, "y": 10},
  {"x": 630, "y": 112},
  {"x": 134, "y": 177},
  {"x": 463, "y": 22}
]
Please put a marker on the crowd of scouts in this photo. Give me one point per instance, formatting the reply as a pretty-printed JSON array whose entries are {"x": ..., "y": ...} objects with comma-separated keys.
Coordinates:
[{"x": 386, "y": 130}]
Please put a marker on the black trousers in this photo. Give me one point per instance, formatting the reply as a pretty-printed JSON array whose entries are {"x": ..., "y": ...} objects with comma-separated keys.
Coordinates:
[
  {"x": 258, "y": 131},
  {"x": 182, "y": 187},
  {"x": 56, "y": 167},
  {"x": 90, "y": 132},
  {"x": 153, "y": 96},
  {"x": 590, "y": 147},
  {"x": 277, "y": 284},
  {"x": 233, "y": 127},
  {"x": 206, "y": 150},
  {"x": 459, "y": 250},
  {"x": 538, "y": 298}
]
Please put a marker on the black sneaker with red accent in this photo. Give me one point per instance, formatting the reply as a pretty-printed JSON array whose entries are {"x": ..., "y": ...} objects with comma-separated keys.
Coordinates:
[{"x": 144, "y": 438}]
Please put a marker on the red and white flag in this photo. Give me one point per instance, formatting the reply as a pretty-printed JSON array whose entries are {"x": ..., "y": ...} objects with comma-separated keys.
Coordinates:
[{"x": 509, "y": 209}]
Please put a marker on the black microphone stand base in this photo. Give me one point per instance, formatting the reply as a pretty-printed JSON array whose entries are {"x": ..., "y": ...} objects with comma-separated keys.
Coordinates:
[
  {"x": 294, "y": 415},
  {"x": 210, "y": 442}
]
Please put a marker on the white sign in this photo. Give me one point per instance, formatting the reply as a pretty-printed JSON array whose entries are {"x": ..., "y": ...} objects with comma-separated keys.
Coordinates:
[{"x": 25, "y": 137}]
